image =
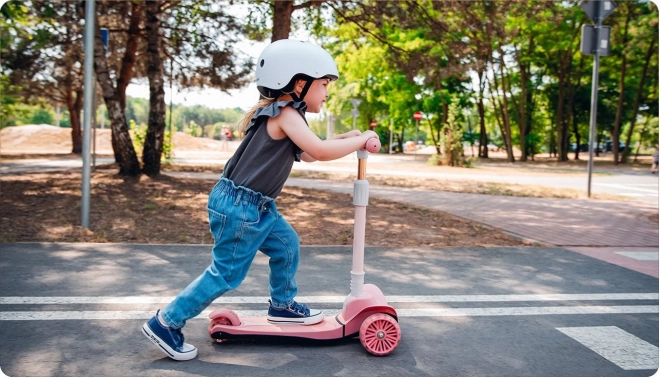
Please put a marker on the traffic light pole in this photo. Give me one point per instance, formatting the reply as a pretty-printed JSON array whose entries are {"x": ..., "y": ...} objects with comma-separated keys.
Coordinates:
[
  {"x": 416, "y": 136},
  {"x": 594, "y": 97},
  {"x": 89, "y": 90}
]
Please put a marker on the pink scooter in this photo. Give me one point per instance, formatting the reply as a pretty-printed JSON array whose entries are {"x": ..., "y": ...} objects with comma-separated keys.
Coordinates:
[{"x": 365, "y": 311}]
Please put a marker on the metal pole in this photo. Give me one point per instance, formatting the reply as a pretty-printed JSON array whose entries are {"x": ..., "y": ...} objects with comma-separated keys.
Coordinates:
[
  {"x": 594, "y": 98},
  {"x": 416, "y": 137},
  {"x": 89, "y": 90},
  {"x": 94, "y": 125},
  {"x": 391, "y": 127}
]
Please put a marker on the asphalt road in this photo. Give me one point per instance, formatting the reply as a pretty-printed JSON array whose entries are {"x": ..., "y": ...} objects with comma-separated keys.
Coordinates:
[{"x": 77, "y": 309}]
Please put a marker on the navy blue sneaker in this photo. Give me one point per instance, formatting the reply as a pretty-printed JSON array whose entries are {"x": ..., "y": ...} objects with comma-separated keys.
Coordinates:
[
  {"x": 169, "y": 340},
  {"x": 295, "y": 313}
]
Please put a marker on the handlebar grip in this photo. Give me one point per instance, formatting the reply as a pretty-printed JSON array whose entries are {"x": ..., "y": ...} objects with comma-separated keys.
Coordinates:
[{"x": 373, "y": 145}]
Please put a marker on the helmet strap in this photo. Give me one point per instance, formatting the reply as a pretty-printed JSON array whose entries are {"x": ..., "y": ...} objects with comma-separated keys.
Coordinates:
[{"x": 304, "y": 91}]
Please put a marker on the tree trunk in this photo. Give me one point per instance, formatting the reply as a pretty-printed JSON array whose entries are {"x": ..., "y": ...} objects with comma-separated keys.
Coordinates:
[
  {"x": 574, "y": 119},
  {"x": 124, "y": 150},
  {"x": 496, "y": 111},
  {"x": 562, "y": 126},
  {"x": 74, "y": 105},
  {"x": 522, "y": 106},
  {"x": 282, "y": 12},
  {"x": 576, "y": 132},
  {"x": 638, "y": 98},
  {"x": 506, "y": 122},
  {"x": 153, "y": 143},
  {"x": 128, "y": 62},
  {"x": 483, "y": 137},
  {"x": 622, "y": 83}
]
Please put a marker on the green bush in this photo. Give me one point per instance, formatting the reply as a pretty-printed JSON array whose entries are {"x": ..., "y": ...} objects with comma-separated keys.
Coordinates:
[
  {"x": 139, "y": 134},
  {"x": 42, "y": 116}
]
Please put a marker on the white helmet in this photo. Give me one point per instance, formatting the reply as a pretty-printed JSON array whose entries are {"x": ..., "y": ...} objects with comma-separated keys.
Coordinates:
[{"x": 282, "y": 60}]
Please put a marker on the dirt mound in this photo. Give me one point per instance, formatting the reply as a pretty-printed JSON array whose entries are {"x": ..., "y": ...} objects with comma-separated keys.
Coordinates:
[{"x": 53, "y": 139}]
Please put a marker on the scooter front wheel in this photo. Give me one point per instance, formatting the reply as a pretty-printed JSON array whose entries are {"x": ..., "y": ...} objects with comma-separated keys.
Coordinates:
[{"x": 380, "y": 334}]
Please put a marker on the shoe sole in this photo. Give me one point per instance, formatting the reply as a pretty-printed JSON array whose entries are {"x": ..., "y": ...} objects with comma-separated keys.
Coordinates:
[
  {"x": 171, "y": 353},
  {"x": 301, "y": 321}
]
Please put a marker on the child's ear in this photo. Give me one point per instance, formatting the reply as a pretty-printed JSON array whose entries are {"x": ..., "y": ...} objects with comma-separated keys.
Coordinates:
[{"x": 300, "y": 84}]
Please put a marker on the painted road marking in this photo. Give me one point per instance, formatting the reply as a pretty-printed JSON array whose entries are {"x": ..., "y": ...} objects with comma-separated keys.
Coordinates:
[
  {"x": 627, "y": 351},
  {"x": 646, "y": 256},
  {"x": 424, "y": 312},
  {"x": 340, "y": 299},
  {"x": 628, "y": 187}
]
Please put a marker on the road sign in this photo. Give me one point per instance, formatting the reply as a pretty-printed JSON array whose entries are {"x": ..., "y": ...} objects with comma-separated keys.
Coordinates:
[
  {"x": 104, "y": 38},
  {"x": 588, "y": 44},
  {"x": 417, "y": 116},
  {"x": 598, "y": 9}
]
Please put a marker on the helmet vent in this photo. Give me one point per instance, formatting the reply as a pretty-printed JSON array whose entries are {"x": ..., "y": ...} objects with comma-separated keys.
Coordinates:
[{"x": 261, "y": 63}]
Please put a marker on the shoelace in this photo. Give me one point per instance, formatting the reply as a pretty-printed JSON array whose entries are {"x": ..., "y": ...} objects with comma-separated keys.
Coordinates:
[{"x": 301, "y": 308}]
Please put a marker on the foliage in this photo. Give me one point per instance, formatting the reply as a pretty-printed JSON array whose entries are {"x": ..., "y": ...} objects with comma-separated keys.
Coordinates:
[
  {"x": 138, "y": 133},
  {"x": 520, "y": 58},
  {"x": 168, "y": 147},
  {"x": 403, "y": 56},
  {"x": 452, "y": 138}
]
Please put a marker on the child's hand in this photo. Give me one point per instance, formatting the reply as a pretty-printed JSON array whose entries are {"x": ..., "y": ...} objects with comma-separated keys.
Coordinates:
[
  {"x": 369, "y": 134},
  {"x": 350, "y": 134}
]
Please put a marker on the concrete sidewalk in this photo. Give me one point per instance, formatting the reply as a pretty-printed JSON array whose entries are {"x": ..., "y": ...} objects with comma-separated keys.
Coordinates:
[{"x": 621, "y": 233}]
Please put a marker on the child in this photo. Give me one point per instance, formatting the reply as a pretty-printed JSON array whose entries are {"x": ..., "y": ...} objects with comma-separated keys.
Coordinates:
[
  {"x": 242, "y": 213},
  {"x": 654, "y": 167}
]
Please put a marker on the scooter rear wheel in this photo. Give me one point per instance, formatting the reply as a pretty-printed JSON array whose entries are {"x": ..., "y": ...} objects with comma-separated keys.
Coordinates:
[{"x": 380, "y": 334}]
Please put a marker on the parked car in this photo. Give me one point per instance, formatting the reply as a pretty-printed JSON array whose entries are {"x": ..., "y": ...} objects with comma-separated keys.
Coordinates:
[
  {"x": 608, "y": 146},
  {"x": 584, "y": 147},
  {"x": 396, "y": 147}
]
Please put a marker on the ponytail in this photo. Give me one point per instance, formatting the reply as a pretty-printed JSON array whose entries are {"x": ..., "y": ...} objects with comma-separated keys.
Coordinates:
[{"x": 245, "y": 121}]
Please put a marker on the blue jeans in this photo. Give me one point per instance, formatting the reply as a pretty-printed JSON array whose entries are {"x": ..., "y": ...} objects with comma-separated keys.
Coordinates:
[{"x": 242, "y": 221}]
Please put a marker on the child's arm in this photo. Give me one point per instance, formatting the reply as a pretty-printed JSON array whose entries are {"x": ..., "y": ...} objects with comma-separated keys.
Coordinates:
[
  {"x": 309, "y": 159},
  {"x": 289, "y": 123}
]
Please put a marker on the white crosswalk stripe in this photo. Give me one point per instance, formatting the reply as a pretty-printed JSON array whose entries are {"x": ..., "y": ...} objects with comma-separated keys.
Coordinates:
[
  {"x": 634, "y": 189},
  {"x": 416, "y": 311},
  {"x": 627, "y": 351},
  {"x": 423, "y": 312}
]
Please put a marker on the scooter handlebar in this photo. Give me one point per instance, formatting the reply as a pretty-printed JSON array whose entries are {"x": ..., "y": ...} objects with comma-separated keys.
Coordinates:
[{"x": 372, "y": 145}]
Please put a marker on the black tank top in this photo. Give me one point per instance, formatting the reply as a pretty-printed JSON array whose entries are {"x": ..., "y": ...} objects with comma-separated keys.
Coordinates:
[{"x": 262, "y": 163}]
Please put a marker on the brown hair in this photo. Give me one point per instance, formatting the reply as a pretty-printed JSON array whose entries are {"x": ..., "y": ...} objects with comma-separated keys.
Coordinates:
[{"x": 245, "y": 121}]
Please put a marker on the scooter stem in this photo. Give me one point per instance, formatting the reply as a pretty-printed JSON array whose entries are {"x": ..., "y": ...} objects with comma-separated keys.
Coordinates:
[{"x": 360, "y": 200}]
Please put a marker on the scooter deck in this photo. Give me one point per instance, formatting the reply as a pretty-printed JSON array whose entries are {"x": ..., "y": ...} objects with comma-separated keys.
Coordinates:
[{"x": 255, "y": 327}]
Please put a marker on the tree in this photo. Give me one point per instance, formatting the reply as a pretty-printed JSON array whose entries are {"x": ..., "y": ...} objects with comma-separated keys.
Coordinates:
[
  {"x": 124, "y": 151},
  {"x": 153, "y": 143},
  {"x": 41, "y": 63},
  {"x": 13, "y": 41},
  {"x": 627, "y": 9},
  {"x": 640, "y": 37},
  {"x": 275, "y": 16}
]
